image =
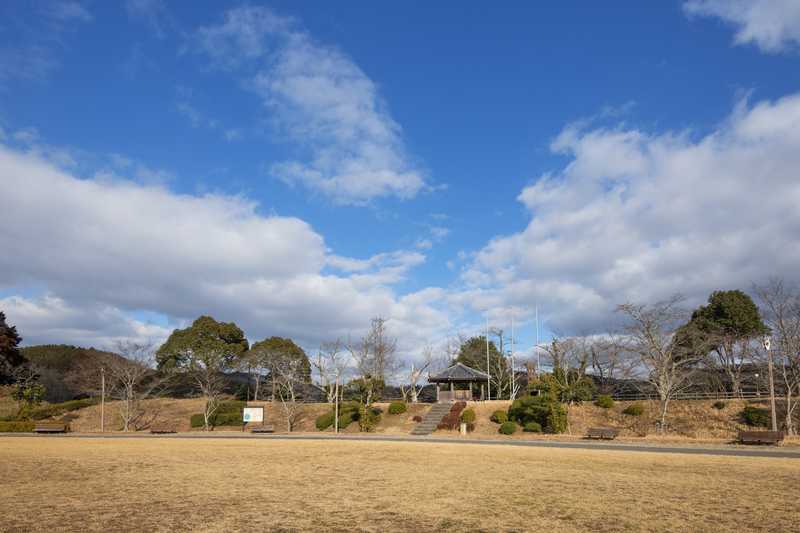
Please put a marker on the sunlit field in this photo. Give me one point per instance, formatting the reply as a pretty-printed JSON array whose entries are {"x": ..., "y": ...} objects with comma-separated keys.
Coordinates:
[{"x": 223, "y": 485}]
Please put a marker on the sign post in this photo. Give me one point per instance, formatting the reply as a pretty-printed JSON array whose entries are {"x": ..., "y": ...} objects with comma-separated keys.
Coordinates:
[{"x": 252, "y": 414}]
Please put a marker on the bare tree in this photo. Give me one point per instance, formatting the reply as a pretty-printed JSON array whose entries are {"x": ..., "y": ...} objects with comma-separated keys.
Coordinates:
[
  {"x": 651, "y": 335},
  {"x": 133, "y": 381},
  {"x": 781, "y": 309},
  {"x": 331, "y": 363},
  {"x": 610, "y": 360},
  {"x": 415, "y": 374},
  {"x": 289, "y": 375},
  {"x": 375, "y": 357}
]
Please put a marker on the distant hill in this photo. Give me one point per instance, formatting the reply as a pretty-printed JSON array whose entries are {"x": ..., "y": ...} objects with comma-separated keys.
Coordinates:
[{"x": 68, "y": 372}]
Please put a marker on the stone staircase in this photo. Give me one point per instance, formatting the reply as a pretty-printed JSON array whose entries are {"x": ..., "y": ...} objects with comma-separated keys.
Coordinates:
[{"x": 432, "y": 419}]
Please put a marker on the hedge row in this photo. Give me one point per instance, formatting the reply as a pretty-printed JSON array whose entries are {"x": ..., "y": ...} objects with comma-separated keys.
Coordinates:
[
  {"x": 19, "y": 426},
  {"x": 228, "y": 413},
  {"x": 397, "y": 408},
  {"x": 58, "y": 409}
]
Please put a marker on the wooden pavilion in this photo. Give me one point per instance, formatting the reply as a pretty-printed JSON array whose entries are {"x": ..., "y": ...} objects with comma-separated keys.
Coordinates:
[{"x": 458, "y": 374}]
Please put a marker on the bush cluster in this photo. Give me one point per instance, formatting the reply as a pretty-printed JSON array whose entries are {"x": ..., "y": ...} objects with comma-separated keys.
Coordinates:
[
  {"x": 498, "y": 417},
  {"x": 17, "y": 426},
  {"x": 755, "y": 416},
  {"x": 532, "y": 427},
  {"x": 452, "y": 420},
  {"x": 397, "y": 408},
  {"x": 508, "y": 428},
  {"x": 57, "y": 409},
  {"x": 228, "y": 413},
  {"x": 719, "y": 405},
  {"x": 605, "y": 401},
  {"x": 468, "y": 416},
  {"x": 542, "y": 409},
  {"x": 634, "y": 409},
  {"x": 348, "y": 413}
]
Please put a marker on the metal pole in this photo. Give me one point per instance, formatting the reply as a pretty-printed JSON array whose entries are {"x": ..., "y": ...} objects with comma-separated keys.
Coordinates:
[
  {"x": 102, "y": 399},
  {"x": 537, "y": 339},
  {"x": 771, "y": 385},
  {"x": 488, "y": 371}
]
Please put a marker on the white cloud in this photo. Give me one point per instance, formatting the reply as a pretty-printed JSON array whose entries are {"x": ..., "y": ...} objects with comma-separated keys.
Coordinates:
[
  {"x": 152, "y": 12},
  {"x": 638, "y": 216},
  {"x": 320, "y": 98},
  {"x": 772, "y": 25},
  {"x": 69, "y": 11},
  {"x": 103, "y": 248}
]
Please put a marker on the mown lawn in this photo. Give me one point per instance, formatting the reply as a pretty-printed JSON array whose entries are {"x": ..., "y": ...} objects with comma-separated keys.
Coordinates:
[{"x": 226, "y": 485}]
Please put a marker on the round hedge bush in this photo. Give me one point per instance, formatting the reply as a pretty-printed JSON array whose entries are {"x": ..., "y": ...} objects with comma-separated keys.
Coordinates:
[
  {"x": 508, "y": 428},
  {"x": 605, "y": 401},
  {"x": 532, "y": 427},
  {"x": 396, "y": 408},
  {"x": 499, "y": 417},
  {"x": 634, "y": 409},
  {"x": 468, "y": 416},
  {"x": 417, "y": 418}
]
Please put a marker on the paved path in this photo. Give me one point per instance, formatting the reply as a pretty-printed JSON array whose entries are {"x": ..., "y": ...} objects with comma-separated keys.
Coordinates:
[{"x": 723, "y": 450}]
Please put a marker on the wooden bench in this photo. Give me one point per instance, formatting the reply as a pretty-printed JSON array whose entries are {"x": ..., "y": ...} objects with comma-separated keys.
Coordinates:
[
  {"x": 51, "y": 427},
  {"x": 760, "y": 437},
  {"x": 602, "y": 433},
  {"x": 266, "y": 428},
  {"x": 162, "y": 429}
]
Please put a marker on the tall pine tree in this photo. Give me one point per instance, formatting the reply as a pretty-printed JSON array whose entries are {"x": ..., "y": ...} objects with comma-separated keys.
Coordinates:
[{"x": 10, "y": 356}]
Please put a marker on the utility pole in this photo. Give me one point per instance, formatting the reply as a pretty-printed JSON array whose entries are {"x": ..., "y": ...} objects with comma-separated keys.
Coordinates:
[
  {"x": 488, "y": 371},
  {"x": 102, "y": 399},
  {"x": 513, "y": 375},
  {"x": 771, "y": 384},
  {"x": 336, "y": 406}
]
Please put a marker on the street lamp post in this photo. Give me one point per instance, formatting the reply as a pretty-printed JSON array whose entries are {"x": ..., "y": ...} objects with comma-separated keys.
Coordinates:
[{"x": 767, "y": 345}]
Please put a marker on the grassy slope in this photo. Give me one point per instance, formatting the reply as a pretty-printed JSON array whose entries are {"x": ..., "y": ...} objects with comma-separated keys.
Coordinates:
[{"x": 167, "y": 485}]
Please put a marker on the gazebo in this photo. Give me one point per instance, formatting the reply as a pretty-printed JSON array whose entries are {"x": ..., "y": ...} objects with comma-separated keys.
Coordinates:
[{"x": 458, "y": 373}]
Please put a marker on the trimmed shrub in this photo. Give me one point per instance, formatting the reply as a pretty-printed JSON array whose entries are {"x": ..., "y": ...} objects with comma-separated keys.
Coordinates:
[
  {"x": 17, "y": 426},
  {"x": 396, "y": 408},
  {"x": 605, "y": 401},
  {"x": 634, "y": 409},
  {"x": 532, "y": 427},
  {"x": 220, "y": 418},
  {"x": 324, "y": 421},
  {"x": 719, "y": 405},
  {"x": 508, "y": 428},
  {"x": 452, "y": 420},
  {"x": 417, "y": 418},
  {"x": 755, "y": 416},
  {"x": 468, "y": 416},
  {"x": 542, "y": 409},
  {"x": 499, "y": 417},
  {"x": 197, "y": 421},
  {"x": 345, "y": 419}
]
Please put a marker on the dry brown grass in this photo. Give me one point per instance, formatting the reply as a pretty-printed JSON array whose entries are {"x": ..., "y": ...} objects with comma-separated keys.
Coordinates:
[{"x": 246, "y": 484}]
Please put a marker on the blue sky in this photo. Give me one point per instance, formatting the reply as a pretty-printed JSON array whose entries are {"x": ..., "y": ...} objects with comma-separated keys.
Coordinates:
[{"x": 308, "y": 165}]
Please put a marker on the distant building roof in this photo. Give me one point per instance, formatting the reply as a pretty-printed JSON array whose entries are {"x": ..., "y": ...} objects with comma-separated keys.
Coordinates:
[{"x": 458, "y": 372}]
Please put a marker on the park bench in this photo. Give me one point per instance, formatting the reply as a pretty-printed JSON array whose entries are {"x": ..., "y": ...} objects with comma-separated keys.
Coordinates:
[
  {"x": 162, "y": 429},
  {"x": 760, "y": 437},
  {"x": 265, "y": 428},
  {"x": 51, "y": 427},
  {"x": 602, "y": 433}
]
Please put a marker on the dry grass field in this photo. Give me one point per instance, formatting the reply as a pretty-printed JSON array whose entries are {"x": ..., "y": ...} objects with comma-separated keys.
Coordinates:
[{"x": 249, "y": 484}]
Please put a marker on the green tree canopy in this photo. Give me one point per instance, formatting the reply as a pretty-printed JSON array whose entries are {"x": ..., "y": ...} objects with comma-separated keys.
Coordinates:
[
  {"x": 472, "y": 353},
  {"x": 207, "y": 341},
  {"x": 10, "y": 356},
  {"x": 276, "y": 353},
  {"x": 729, "y": 316}
]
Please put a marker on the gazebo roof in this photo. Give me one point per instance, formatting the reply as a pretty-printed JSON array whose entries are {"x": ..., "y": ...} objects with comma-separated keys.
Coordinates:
[{"x": 458, "y": 372}]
